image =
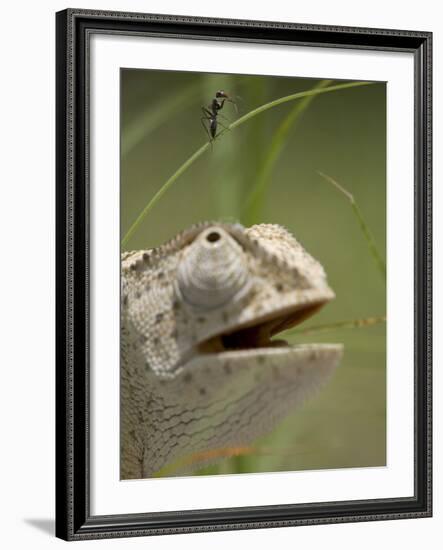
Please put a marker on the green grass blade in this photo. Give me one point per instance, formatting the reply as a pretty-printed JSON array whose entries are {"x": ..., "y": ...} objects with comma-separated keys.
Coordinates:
[
  {"x": 223, "y": 160},
  {"x": 363, "y": 225},
  {"x": 292, "y": 97},
  {"x": 256, "y": 136},
  {"x": 163, "y": 190},
  {"x": 255, "y": 201},
  {"x": 355, "y": 323},
  {"x": 232, "y": 126}
]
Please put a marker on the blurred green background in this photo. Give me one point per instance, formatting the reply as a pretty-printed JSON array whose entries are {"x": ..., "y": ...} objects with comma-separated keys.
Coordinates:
[{"x": 341, "y": 133}]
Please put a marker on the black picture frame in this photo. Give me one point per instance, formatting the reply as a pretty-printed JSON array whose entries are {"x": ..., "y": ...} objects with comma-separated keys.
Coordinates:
[{"x": 74, "y": 521}]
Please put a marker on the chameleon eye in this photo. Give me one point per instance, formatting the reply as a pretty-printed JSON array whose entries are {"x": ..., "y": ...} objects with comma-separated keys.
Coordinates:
[{"x": 212, "y": 270}]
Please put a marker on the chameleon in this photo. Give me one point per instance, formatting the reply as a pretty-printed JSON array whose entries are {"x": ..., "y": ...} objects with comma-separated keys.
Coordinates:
[{"x": 202, "y": 366}]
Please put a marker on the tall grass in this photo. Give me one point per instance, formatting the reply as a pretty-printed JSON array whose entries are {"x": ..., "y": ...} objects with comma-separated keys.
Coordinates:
[
  {"x": 379, "y": 262},
  {"x": 253, "y": 205},
  {"x": 231, "y": 181},
  {"x": 224, "y": 171},
  {"x": 207, "y": 146}
]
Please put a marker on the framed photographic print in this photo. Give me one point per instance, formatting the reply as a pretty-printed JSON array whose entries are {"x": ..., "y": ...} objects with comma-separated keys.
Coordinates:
[{"x": 243, "y": 274}]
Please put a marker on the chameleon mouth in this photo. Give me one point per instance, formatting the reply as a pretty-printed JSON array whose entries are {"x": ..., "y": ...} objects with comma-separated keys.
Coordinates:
[{"x": 260, "y": 334}]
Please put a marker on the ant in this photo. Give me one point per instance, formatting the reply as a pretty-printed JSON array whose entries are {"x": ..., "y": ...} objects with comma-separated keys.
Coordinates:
[{"x": 210, "y": 114}]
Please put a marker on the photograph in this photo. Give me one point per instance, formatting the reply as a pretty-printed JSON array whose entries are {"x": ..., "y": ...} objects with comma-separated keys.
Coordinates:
[
  {"x": 244, "y": 301},
  {"x": 253, "y": 274}
]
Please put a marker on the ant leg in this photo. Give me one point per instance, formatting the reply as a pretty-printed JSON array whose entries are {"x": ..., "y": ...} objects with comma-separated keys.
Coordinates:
[
  {"x": 234, "y": 105},
  {"x": 234, "y": 102},
  {"x": 231, "y": 101},
  {"x": 203, "y": 118},
  {"x": 205, "y": 127},
  {"x": 224, "y": 117},
  {"x": 224, "y": 127},
  {"x": 207, "y": 115}
]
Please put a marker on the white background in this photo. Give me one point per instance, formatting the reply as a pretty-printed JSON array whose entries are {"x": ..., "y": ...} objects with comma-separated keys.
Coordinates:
[{"x": 27, "y": 274}]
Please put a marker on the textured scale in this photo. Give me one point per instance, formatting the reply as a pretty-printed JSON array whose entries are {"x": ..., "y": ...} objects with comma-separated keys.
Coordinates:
[{"x": 182, "y": 395}]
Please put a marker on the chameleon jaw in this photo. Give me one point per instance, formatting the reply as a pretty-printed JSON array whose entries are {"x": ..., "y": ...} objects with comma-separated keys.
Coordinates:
[{"x": 258, "y": 335}]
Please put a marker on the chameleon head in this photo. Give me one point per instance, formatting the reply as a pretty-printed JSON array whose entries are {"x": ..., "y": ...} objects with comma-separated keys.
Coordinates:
[
  {"x": 237, "y": 288},
  {"x": 200, "y": 362},
  {"x": 218, "y": 288}
]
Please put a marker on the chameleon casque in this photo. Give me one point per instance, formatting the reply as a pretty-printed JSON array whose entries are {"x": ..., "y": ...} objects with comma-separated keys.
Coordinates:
[{"x": 200, "y": 367}]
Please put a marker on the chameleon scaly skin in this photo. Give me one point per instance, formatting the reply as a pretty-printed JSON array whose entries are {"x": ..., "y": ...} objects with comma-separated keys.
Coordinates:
[{"x": 199, "y": 367}]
